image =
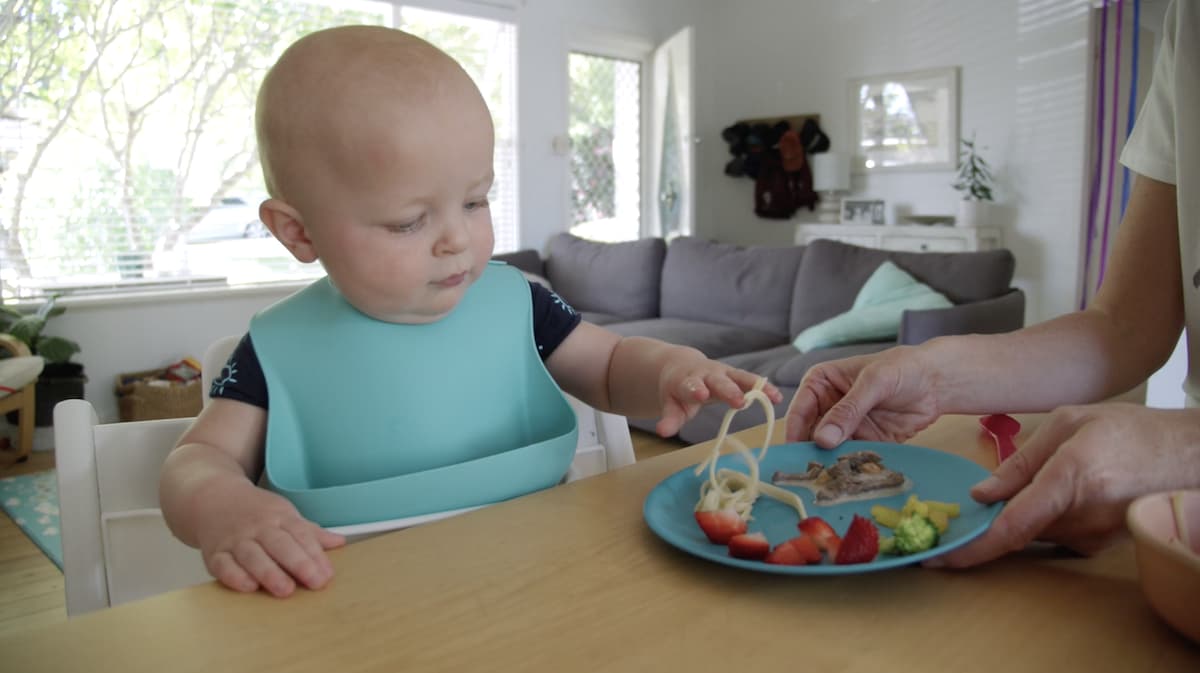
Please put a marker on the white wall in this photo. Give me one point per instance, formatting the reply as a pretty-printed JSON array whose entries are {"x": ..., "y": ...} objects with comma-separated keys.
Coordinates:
[
  {"x": 1023, "y": 90},
  {"x": 548, "y": 30},
  {"x": 129, "y": 335}
]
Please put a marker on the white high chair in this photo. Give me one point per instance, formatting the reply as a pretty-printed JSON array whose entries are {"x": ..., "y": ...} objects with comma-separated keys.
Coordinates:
[{"x": 116, "y": 545}]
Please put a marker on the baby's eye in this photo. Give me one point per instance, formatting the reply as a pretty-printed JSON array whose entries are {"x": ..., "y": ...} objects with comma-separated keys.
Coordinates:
[
  {"x": 476, "y": 204},
  {"x": 404, "y": 227}
]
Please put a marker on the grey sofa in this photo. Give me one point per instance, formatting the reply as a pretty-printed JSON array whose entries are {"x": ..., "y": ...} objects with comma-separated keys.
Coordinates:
[{"x": 745, "y": 305}]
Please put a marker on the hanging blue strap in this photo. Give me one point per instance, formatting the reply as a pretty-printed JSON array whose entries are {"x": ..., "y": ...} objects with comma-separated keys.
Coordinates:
[{"x": 1131, "y": 115}]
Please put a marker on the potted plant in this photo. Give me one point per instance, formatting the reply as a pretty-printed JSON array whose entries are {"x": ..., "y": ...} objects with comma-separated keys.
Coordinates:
[
  {"x": 974, "y": 182},
  {"x": 60, "y": 379}
]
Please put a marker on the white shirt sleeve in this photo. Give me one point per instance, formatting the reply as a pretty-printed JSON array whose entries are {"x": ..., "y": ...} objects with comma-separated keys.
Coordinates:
[{"x": 1150, "y": 149}]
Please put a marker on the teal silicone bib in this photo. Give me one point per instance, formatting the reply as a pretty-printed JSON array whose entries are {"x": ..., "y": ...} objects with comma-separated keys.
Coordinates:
[{"x": 372, "y": 421}]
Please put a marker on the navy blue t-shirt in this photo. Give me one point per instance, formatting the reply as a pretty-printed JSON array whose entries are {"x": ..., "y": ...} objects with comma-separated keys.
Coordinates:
[{"x": 242, "y": 378}]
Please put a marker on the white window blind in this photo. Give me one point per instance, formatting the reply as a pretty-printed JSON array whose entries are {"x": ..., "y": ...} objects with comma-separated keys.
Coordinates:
[{"x": 127, "y": 156}]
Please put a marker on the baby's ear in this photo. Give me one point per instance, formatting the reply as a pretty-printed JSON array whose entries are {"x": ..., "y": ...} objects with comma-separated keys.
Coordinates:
[{"x": 285, "y": 224}]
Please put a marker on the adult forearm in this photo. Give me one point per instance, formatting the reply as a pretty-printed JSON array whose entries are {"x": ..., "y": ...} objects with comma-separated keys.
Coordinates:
[{"x": 1077, "y": 358}]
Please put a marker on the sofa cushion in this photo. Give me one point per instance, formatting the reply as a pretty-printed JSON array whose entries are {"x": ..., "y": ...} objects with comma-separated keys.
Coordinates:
[
  {"x": 875, "y": 314},
  {"x": 783, "y": 366},
  {"x": 597, "y": 318},
  {"x": 750, "y": 287},
  {"x": 831, "y": 273},
  {"x": 713, "y": 340},
  {"x": 621, "y": 279},
  {"x": 527, "y": 260}
]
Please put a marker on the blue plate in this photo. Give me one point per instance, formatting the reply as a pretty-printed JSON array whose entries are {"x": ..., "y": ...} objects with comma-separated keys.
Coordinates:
[{"x": 935, "y": 475}]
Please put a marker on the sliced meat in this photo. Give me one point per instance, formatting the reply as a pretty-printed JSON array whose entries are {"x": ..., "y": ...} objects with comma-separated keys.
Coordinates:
[{"x": 852, "y": 474}]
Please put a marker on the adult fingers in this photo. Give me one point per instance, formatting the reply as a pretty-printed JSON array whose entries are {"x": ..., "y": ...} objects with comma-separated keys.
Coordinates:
[
  {"x": 226, "y": 570},
  {"x": 801, "y": 414},
  {"x": 1035, "y": 508},
  {"x": 1021, "y": 467},
  {"x": 844, "y": 417}
]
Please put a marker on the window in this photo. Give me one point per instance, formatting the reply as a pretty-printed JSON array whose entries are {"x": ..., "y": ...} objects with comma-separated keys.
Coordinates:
[
  {"x": 127, "y": 155},
  {"x": 606, "y": 140}
]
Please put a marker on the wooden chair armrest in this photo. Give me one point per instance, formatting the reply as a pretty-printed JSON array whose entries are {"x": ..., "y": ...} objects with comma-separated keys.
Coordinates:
[{"x": 14, "y": 346}]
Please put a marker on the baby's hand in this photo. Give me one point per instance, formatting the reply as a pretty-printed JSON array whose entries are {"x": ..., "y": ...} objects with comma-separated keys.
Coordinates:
[
  {"x": 262, "y": 541},
  {"x": 686, "y": 387}
]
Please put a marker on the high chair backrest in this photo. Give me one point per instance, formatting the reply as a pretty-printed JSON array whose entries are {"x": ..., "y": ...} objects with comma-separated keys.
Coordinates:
[{"x": 116, "y": 546}]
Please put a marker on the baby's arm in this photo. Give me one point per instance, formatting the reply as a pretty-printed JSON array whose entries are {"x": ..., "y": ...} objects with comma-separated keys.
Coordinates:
[
  {"x": 249, "y": 537},
  {"x": 643, "y": 378}
]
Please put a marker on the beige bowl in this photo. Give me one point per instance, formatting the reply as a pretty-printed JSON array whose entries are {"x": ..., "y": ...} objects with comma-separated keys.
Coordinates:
[{"x": 1169, "y": 571}]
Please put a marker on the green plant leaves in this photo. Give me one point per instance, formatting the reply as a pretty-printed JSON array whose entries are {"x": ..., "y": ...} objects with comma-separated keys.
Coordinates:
[{"x": 56, "y": 349}]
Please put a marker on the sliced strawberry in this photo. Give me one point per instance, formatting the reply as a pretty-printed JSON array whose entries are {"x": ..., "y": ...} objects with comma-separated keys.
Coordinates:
[
  {"x": 753, "y": 546},
  {"x": 860, "y": 544},
  {"x": 720, "y": 525},
  {"x": 821, "y": 533},
  {"x": 797, "y": 551}
]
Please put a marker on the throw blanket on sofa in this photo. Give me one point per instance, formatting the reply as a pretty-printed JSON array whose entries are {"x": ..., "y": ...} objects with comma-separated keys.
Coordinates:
[{"x": 875, "y": 315}]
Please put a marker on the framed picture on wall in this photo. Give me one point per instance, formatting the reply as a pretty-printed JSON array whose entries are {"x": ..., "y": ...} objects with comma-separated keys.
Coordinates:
[
  {"x": 862, "y": 211},
  {"x": 905, "y": 121}
]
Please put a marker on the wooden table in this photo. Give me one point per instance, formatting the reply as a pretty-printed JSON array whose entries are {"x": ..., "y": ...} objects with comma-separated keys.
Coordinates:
[{"x": 571, "y": 579}]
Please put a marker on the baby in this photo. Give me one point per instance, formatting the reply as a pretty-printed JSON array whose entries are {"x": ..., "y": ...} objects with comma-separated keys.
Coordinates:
[{"x": 377, "y": 153}]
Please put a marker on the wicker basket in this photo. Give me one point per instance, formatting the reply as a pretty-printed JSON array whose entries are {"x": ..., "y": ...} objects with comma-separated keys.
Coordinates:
[{"x": 142, "y": 396}]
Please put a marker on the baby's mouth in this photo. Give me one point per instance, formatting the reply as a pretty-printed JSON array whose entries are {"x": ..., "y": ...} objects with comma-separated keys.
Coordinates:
[{"x": 452, "y": 281}]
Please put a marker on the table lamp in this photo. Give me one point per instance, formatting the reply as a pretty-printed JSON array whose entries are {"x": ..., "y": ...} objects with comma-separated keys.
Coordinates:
[{"x": 831, "y": 178}]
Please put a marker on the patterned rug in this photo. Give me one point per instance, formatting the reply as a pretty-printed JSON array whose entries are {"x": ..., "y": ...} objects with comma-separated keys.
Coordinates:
[{"x": 31, "y": 500}]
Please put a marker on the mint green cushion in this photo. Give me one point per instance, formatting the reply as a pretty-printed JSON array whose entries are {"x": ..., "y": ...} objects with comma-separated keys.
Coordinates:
[{"x": 875, "y": 315}]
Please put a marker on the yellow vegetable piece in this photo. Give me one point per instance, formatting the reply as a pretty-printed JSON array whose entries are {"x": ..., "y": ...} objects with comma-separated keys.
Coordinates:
[
  {"x": 950, "y": 508},
  {"x": 885, "y": 516},
  {"x": 939, "y": 519}
]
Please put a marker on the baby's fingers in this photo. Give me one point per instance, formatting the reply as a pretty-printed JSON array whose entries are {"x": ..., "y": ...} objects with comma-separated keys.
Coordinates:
[
  {"x": 674, "y": 415},
  {"x": 249, "y": 554},
  {"x": 746, "y": 381},
  {"x": 227, "y": 571},
  {"x": 295, "y": 549}
]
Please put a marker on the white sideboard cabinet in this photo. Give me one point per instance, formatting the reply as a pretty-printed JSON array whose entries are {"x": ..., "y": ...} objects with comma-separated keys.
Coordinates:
[{"x": 906, "y": 237}]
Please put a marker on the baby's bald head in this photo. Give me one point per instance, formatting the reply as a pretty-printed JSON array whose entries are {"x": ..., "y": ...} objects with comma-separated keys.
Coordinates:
[{"x": 333, "y": 92}]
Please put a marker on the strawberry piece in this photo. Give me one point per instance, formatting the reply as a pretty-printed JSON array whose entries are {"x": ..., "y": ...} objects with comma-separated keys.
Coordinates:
[
  {"x": 821, "y": 533},
  {"x": 752, "y": 546},
  {"x": 721, "y": 525},
  {"x": 860, "y": 544},
  {"x": 797, "y": 551}
]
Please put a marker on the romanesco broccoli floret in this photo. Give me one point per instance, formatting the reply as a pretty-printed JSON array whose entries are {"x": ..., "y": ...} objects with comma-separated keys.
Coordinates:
[{"x": 914, "y": 534}]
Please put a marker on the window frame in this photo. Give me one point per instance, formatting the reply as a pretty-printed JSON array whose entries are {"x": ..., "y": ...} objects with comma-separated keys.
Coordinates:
[
  {"x": 627, "y": 48},
  {"x": 153, "y": 290}
]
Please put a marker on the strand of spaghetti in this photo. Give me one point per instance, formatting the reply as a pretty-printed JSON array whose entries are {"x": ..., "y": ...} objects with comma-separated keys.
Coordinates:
[
  {"x": 734, "y": 489},
  {"x": 781, "y": 494},
  {"x": 753, "y": 395}
]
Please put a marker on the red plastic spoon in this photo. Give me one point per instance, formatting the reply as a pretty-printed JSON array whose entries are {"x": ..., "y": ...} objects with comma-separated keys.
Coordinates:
[{"x": 1003, "y": 428}]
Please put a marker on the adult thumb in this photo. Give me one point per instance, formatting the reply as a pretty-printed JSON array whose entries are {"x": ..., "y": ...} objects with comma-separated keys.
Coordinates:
[{"x": 842, "y": 420}]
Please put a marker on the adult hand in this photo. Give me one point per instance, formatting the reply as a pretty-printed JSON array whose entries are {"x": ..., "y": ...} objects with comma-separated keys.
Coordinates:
[
  {"x": 694, "y": 382},
  {"x": 256, "y": 538},
  {"x": 887, "y": 396},
  {"x": 1073, "y": 479}
]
